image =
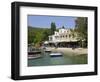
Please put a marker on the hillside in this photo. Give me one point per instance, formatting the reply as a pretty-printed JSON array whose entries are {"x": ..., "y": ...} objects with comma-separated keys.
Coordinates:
[{"x": 37, "y": 35}]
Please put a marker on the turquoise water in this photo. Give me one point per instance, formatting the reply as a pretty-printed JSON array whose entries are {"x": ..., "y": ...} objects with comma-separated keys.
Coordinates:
[{"x": 46, "y": 60}]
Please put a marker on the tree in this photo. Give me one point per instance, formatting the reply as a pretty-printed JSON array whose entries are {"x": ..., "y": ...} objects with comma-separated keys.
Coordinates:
[
  {"x": 30, "y": 37},
  {"x": 73, "y": 33},
  {"x": 63, "y": 27},
  {"x": 38, "y": 35},
  {"x": 81, "y": 29},
  {"x": 53, "y": 27},
  {"x": 46, "y": 33}
]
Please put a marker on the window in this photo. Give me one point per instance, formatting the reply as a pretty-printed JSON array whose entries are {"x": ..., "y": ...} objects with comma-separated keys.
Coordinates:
[{"x": 69, "y": 35}]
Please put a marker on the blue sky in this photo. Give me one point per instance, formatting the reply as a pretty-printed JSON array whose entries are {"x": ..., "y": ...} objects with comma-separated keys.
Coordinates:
[{"x": 45, "y": 21}]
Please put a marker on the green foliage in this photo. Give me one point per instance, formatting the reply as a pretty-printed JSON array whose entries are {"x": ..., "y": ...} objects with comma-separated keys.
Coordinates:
[
  {"x": 53, "y": 27},
  {"x": 63, "y": 27},
  {"x": 73, "y": 33},
  {"x": 30, "y": 36},
  {"x": 81, "y": 29},
  {"x": 46, "y": 33},
  {"x": 37, "y": 35}
]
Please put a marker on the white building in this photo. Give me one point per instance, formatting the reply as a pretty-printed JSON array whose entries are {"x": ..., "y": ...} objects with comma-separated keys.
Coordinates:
[
  {"x": 63, "y": 35},
  {"x": 62, "y": 38}
]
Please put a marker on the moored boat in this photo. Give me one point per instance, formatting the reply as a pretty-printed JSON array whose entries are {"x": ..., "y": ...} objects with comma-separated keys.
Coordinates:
[
  {"x": 56, "y": 54},
  {"x": 34, "y": 53},
  {"x": 34, "y": 56}
]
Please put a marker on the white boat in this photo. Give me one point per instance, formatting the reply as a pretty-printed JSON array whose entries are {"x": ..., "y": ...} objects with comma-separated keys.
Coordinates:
[{"x": 56, "y": 54}]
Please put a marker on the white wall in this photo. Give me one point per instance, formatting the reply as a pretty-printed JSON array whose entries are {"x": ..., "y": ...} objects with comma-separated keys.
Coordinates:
[{"x": 5, "y": 40}]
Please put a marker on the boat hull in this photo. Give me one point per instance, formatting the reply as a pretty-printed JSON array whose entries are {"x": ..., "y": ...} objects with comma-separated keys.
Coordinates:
[
  {"x": 56, "y": 54},
  {"x": 34, "y": 54}
]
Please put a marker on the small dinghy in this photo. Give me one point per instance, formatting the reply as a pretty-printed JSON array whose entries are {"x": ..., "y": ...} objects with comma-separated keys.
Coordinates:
[{"x": 57, "y": 54}]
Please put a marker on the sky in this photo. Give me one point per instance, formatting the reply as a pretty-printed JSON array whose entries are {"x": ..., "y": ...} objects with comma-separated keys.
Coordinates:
[{"x": 44, "y": 21}]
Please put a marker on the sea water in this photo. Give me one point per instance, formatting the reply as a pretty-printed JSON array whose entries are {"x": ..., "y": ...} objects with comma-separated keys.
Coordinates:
[{"x": 66, "y": 59}]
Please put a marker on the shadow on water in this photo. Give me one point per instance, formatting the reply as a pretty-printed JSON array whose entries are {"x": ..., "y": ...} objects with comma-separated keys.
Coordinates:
[{"x": 66, "y": 59}]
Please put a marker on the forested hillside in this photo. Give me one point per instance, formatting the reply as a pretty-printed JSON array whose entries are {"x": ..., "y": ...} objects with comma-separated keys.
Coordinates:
[{"x": 37, "y": 35}]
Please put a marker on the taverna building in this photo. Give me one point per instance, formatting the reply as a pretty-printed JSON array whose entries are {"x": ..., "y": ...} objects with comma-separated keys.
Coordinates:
[{"x": 62, "y": 38}]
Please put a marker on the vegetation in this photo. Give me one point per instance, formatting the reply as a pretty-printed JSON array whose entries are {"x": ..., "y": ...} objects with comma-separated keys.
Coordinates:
[
  {"x": 73, "y": 33},
  {"x": 81, "y": 29},
  {"x": 37, "y": 35},
  {"x": 63, "y": 27},
  {"x": 53, "y": 27}
]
